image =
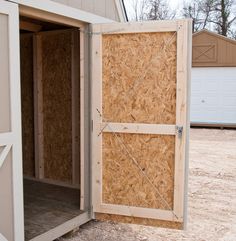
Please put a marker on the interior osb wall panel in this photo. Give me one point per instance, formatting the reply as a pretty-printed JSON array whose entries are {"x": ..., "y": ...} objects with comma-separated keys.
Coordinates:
[
  {"x": 57, "y": 101},
  {"x": 141, "y": 221},
  {"x": 139, "y": 78},
  {"x": 123, "y": 182},
  {"x": 27, "y": 103}
]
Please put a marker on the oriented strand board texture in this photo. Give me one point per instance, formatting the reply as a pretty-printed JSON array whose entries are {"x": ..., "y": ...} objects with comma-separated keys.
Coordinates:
[
  {"x": 123, "y": 182},
  {"x": 139, "y": 78},
  {"x": 57, "y": 120},
  {"x": 141, "y": 221},
  {"x": 27, "y": 104},
  {"x": 139, "y": 86}
]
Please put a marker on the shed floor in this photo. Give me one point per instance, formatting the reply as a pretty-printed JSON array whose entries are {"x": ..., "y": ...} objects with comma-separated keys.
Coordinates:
[{"x": 46, "y": 206}]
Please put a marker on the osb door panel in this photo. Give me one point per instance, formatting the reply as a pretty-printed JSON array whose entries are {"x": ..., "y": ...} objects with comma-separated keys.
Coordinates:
[
  {"x": 11, "y": 193},
  {"x": 140, "y": 77}
]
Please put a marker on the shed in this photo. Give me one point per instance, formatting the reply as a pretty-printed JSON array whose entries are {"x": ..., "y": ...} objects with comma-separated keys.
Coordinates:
[
  {"x": 94, "y": 121},
  {"x": 213, "y": 99}
]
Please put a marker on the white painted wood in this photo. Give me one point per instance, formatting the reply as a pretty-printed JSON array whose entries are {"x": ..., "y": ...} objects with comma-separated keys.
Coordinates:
[
  {"x": 28, "y": 7},
  {"x": 15, "y": 158},
  {"x": 2, "y": 238},
  {"x": 3, "y": 153},
  {"x": 121, "y": 11},
  {"x": 213, "y": 98},
  {"x": 183, "y": 65},
  {"x": 16, "y": 124},
  {"x": 7, "y": 138},
  {"x": 138, "y": 128},
  {"x": 105, "y": 8}
]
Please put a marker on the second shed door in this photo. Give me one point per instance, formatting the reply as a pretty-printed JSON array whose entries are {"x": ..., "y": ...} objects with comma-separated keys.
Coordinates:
[{"x": 140, "y": 121}]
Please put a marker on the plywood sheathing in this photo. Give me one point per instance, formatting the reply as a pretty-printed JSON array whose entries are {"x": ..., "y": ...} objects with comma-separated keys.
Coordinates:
[
  {"x": 141, "y": 221},
  {"x": 139, "y": 90},
  {"x": 123, "y": 182},
  {"x": 139, "y": 78},
  {"x": 27, "y": 103},
  {"x": 57, "y": 122}
]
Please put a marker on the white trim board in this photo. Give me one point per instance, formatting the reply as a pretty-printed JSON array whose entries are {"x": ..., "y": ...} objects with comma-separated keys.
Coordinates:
[{"x": 63, "y": 10}]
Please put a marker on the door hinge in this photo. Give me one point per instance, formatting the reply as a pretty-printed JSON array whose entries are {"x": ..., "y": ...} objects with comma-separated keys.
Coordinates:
[
  {"x": 179, "y": 131},
  {"x": 92, "y": 125}
]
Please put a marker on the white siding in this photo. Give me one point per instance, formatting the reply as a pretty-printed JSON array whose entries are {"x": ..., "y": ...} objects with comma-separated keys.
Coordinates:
[
  {"x": 213, "y": 95},
  {"x": 104, "y": 8}
]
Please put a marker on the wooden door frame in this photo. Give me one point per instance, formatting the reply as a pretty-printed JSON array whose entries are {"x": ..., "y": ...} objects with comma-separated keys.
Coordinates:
[
  {"x": 13, "y": 138},
  {"x": 183, "y": 29},
  {"x": 51, "y": 17},
  {"x": 51, "y": 12}
]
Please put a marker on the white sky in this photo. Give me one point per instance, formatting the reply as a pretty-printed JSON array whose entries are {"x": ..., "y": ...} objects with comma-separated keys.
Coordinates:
[{"x": 174, "y": 4}]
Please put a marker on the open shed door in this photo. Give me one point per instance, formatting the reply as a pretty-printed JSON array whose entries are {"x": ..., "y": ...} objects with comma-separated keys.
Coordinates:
[
  {"x": 11, "y": 197},
  {"x": 140, "y": 78}
]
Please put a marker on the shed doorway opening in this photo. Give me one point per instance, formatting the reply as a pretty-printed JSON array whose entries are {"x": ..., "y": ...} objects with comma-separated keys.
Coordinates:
[{"x": 50, "y": 103}]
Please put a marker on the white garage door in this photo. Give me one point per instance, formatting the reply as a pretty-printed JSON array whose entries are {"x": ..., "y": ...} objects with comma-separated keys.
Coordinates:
[{"x": 213, "y": 95}]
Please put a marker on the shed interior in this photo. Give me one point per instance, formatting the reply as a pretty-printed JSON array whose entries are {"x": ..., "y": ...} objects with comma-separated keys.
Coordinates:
[{"x": 50, "y": 97}]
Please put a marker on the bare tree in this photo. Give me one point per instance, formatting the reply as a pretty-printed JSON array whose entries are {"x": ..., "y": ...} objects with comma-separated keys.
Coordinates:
[
  {"x": 207, "y": 9},
  {"x": 224, "y": 16},
  {"x": 140, "y": 9},
  {"x": 160, "y": 10},
  {"x": 219, "y": 13},
  {"x": 193, "y": 11},
  {"x": 200, "y": 11},
  {"x": 151, "y": 10}
]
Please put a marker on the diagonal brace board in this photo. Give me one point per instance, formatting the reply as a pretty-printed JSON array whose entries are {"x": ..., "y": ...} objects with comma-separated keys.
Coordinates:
[{"x": 4, "y": 153}]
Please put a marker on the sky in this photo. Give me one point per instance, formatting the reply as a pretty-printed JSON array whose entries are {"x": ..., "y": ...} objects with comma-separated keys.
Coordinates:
[{"x": 173, "y": 4}]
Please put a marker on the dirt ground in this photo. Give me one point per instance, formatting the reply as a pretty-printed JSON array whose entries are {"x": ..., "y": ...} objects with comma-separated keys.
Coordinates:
[{"x": 211, "y": 197}]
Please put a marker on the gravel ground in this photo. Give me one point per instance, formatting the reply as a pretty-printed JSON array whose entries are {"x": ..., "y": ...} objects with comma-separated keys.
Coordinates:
[{"x": 211, "y": 197}]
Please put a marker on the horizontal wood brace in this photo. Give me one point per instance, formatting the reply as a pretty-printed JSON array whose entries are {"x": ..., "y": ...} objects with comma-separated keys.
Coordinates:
[
  {"x": 152, "y": 213},
  {"x": 139, "y": 128},
  {"x": 141, "y": 27},
  {"x": 7, "y": 138}
]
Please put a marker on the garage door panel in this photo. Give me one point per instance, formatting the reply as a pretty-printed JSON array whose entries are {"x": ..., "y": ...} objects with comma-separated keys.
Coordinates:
[
  {"x": 211, "y": 85},
  {"x": 229, "y": 115},
  {"x": 210, "y": 101},
  {"x": 229, "y": 86},
  {"x": 213, "y": 97},
  {"x": 229, "y": 101},
  {"x": 196, "y": 85}
]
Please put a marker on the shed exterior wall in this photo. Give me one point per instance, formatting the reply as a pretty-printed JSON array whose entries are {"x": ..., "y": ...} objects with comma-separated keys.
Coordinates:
[
  {"x": 213, "y": 50},
  {"x": 104, "y": 8}
]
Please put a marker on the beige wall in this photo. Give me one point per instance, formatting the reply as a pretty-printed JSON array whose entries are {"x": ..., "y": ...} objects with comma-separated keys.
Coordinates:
[
  {"x": 214, "y": 50},
  {"x": 6, "y": 204},
  {"x": 104, "y": 8}
]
